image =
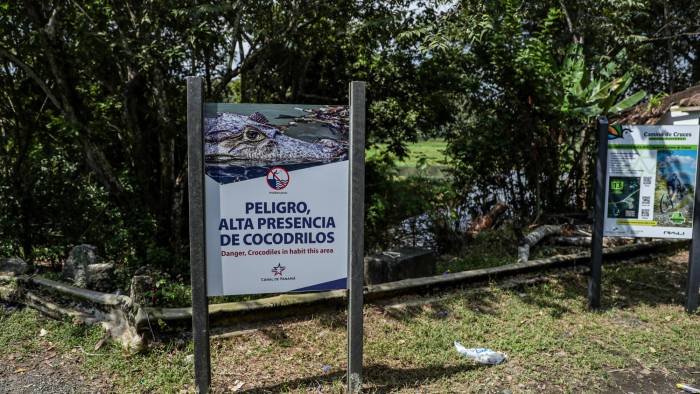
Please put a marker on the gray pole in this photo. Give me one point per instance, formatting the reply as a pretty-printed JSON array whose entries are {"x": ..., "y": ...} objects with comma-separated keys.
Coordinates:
[
  {"x": 356, "y": 236},
  {"x": 601, "y": 166},
  {"x": 198, "y": 269},
  {"x": 694, "y": 259}
]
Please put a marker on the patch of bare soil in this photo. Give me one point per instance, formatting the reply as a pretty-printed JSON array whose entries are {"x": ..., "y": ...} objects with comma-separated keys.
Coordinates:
[
  {"x": 47, "y": 371},
  {"x": 651, "y": 381}
]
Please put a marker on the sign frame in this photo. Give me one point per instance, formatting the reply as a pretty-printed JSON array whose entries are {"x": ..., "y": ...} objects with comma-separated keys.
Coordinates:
[
  {"x": 595, "y": 274},
  {"x": 197, "y": 228},
  {"x": 197, "y": 221},
  {"x": 356, "y": 237}
]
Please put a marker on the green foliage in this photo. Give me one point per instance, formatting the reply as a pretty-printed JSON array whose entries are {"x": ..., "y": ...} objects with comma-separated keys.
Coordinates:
[
  {"x": 92, "y": 125},
  {"x": 172, "y": 294},
  {"x": 587, "y": 95},
  {"x": 656, "y": 100},
  {"x": 445, "y": 215},
  {"x": 381, "y": 199},
  {"x": 490, "y": 248},
  {"x": 92, "y": 122},
  {"x": 390, "y": 199},
  {"x": 521, "y": 134}
]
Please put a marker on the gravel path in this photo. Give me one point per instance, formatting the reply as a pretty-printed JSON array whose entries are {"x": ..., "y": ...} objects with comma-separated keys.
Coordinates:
[
  {"x": 48, "y": 371},
  {"x": 38, "y": 380}
]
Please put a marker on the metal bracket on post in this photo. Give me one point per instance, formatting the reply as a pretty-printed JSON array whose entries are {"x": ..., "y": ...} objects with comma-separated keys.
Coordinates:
[
  {"x": 198, "y": 269},
  {"x": 601, "y": 166},
  {"x": 691, "y": 304},
  {"x": 356, "y": 236}
]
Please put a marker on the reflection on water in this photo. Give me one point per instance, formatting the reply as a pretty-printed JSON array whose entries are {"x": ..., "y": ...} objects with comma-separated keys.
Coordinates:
[{"x": 229, "y": 173}]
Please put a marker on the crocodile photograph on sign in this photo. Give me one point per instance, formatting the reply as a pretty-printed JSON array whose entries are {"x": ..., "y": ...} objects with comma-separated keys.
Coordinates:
[{"x": 244, "y": 141}]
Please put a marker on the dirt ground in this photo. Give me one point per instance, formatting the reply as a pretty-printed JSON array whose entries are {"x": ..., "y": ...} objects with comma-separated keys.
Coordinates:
[{"x": 47, "y": 371}]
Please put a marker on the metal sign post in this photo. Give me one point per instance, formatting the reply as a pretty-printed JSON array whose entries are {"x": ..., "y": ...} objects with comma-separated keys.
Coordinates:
[
  {"x": 195, "y": 179},
  {"x": 356, "y": 235},
  {"x": 598, "y": 215}
]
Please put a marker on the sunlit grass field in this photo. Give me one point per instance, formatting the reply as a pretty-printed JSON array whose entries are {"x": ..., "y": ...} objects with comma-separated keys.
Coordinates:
[{"x": 432, "y": 151}]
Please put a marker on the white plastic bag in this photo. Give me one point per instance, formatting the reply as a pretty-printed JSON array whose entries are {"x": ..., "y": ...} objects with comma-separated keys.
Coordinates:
[{"x": 481, "y": 355}]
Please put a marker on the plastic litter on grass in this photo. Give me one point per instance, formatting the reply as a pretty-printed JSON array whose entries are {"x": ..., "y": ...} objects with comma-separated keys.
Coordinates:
[{"x": 481, "y": 355}]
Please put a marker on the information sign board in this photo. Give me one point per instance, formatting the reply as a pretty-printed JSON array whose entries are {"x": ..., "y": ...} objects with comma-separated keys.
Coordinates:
[
  {"x": 650, "y": 181},
  {"x": 276, "y": 197}
]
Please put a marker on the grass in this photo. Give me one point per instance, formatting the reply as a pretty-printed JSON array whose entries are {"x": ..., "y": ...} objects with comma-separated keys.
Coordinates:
[
  {"x": 496, "y": 247},
  {"x": 490, "y": 248},
  {"x": 162, "y": 369},
  {"x": 431, "y": 150},
  {"x": 642, "y": 339}
]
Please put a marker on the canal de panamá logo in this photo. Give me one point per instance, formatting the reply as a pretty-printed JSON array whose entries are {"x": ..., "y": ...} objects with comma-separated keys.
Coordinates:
[
  {"x": 278, "y": 269},
  {"x": 617, "y": 131},
  {"x": 277, "y": 178}
]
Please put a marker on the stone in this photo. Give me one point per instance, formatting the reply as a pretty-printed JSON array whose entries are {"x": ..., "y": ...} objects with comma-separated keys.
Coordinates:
[
  {"x": 75, "y": 267},
  {"x": 84, "y": 268},
  {"x": 142, "y": 288},
  {"x": 13, "y": 266},
  {"x": 101, "y": 276},
  {"x": 143, "y": 284},
  {"x": 8, "y": 291},
  {"x": 398, "y": 264}
]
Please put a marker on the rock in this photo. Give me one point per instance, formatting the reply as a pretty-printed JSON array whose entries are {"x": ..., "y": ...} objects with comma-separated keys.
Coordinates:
[
  {"x": 84, "y": 268},
  {"x": 101, "y": 276},
  {"x": 75, "y": 268},
  {"x": 398, "y": 264},
  {"x": 142, "y": 287},
  {"x": 13, "y": 266},
  {"x": 151, "y": 271},
  {"x": 143, "y": 284}
]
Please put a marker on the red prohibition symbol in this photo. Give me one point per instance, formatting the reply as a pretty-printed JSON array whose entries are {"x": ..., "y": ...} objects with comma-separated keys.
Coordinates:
[{"x": 277, "y": 178}]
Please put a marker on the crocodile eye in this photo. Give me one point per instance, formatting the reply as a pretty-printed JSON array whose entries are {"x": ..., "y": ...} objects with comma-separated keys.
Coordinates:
[{"x": 252, "y": 134}]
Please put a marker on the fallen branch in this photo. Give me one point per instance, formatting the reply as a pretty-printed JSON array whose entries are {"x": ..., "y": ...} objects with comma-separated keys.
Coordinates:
[
  {"x": 115, "y": 313},
  {"x": 533, "y": 238},
  {"x": 96, "y": 297},
  {"x": 58, "y": 311},
  {"x": 487, "y": 220},
  {"x": 573, "y": 241}
]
